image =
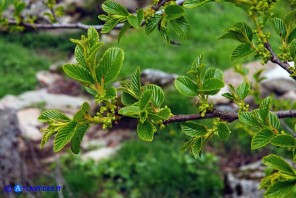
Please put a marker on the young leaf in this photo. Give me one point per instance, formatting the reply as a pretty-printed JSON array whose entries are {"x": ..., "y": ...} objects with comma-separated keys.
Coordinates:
[
  {"x": 53, "y": 115},
  {"x": 47, "y": 134},
  {"x": 157, "y": 97},
  {"x": 284, "y": 141},
  {"x": 292, "y": 36},
  {"x": 133, "y": 20},
  {"x": 223, "y": 131},
  {"x": 110, "y": 93},
  {"x": 261, "y": 138},
  {"x": 211, "y": 86},
  {"x": 164, "y": 114},
  {"x": 79, "y": 55},
  {"x": 77, "y": 137},
  {"x": 2, "y": 4},
  {"x": 173, "y": 12},
  {"x": 193, "y": 129},
  {"x": 186, "y": 86},
  {"x": 114, "y": 8},
  {"x": 279, "y": 26},
  {"x": 290, "y": 19},
  {"x": 241, "y": 51},
  {"x": 152, "y": 23},
  {"x": 93, "y": 36},
  {"x": 143, "y": 116},
  {"x": 135, "y": 82},
  {"x": 278, "y": 163},
  {"x": 213, "y": 73},
  {"x": 196, "y": 147},
  {"x": 127, "y": 99},
  {"x": 228, "y": 96},
  {"x": 109, "y": 25},
  {"x": 264, "y": 108},
  {"x": 78, "y": 73},
  {"x": 164, "y": 34},
  {"x": 280, "y": 189},
  {"x": 145, "y": 131},
  {"x": 249, "y": 119},
  {"x": 131, "y": 111},
  {"x": 273, "y": 120},
  {"x": 243, "y": 90},
  {"x": 64, "y": 136},
  {"x": 181, "y": 27},
  {"x": 123, "y": 30},
  {"x": 195, "y": 3},
  {"x": 110, "y": 65},
  {"x": 140, "y": 16},
  {"x": 292, "y": 48},
  {"x": 145, "y": 98}
]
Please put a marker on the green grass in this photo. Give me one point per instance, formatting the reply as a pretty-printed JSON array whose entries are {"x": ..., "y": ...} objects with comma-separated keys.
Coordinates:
[{"x": 18, "y": 67}]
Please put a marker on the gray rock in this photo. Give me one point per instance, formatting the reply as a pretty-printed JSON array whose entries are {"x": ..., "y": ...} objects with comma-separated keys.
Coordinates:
[
  {"x": 99, "y": 154},
  {"x": 157, "y": 77},
  {"x": 64, "y": 103},
  {"x": 10, "y": 163}
]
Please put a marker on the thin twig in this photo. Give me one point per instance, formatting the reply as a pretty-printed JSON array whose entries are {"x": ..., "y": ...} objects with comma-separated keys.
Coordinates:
[
  {"x": 227, "y": 116},
  {"x": 277, "y": 61}
]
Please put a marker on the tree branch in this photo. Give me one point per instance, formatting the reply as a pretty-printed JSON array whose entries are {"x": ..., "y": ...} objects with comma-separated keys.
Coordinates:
[
  {"x": 43, "y": 26},
  {"x": 227, "y": 116},
  {"x": 277, "y": 61}
]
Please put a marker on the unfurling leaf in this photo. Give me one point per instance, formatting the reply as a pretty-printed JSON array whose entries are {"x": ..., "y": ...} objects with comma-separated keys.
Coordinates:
[
  {"x": 157, "y": 97},
  {"x": 243, "y": 90},
  {"x": 186, "y": 86},
  {"x": 145, "y": 131},
  {"x": 110, "y": 65},
  {"x": 261, "y": 138}
]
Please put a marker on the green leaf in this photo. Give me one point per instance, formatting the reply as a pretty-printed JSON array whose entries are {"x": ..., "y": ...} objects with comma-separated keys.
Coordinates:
[
  {"x": 292, "y": 36},
  {"x": 292, "y": 48},
  {"x": 123, "y": 30},
  {"x": 64, "y": 136},
  {"x": 110, "y": 93},
  {"x": 211, "y": 86},
  {"x": 290, "y": 19},
  {"x": 195, "y": 3},
  {"x": 157, "y": 94},
  {"x": 109, "y": 25},
  {"x": 152, "y": 23},
  {"x": 281, "y": 189},
  {"x": 133, "y": 20},
  {"x": 47, "y": 134},
  {"x": 223, "y": 131},
  {"x": 264, "y": 108},
  {"x": 273, "y": 120},
  {"x": 261, "y": 138},
  {"x": 193, "y": 129},
  {"x": 181, "y": 27},
  {"x": 144, "y": 100},
  {"x": 249, "y": 119},
  {"x": 127, "y": 99},
  {"x": 228, "y": 96},
  {"x": 143, "y": 116},
  {"x": 114, "y": 8},
  {"x": 131, "y": 111},
  {"x": 164, "y": 34},
  {"x": 93, "y": 36},
  {"x": 79, "y": 55},
  {"x": 77, "y": 137},
  {"x": 53, "y": 115},
  {"x": 213, "y": 73},
  {"x": 279, "y": 26},
  {"x": 103, "y": 17},
  {"x": 241, "y": 51},
  {"x": 135, "y": 82},
  {"x": 186, "y": 86},
  {"x": 278, "y": 163},
  {"x": 173, "y": 12},
  {"x": 163, "y": 114},
  {"x": 110, "y": 65},
  {"x": 283, "y": 141},
  {"x": 79, "y": 116},
  {"x": 146, "y": 131},
  {"x": 78, "y": 73},
  {"x": 196, "y": 147},
  {"x": 240, "y": 32},
  {"x": 243, "y": 90},
  {"x": 140, "y": 16}
]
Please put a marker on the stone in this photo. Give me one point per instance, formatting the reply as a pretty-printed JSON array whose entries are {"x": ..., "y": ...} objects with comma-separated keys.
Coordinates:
[
  {"x": 99, "y": 154},
  {"x": 158, "y": 77},
  {"x": 279, "y": 81},
  {"x": 10, "y": 163},
  {"x": 67, "y": 104},
  {"x": 46, "y": 78},
  {"x": 29, "y": 125}
]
